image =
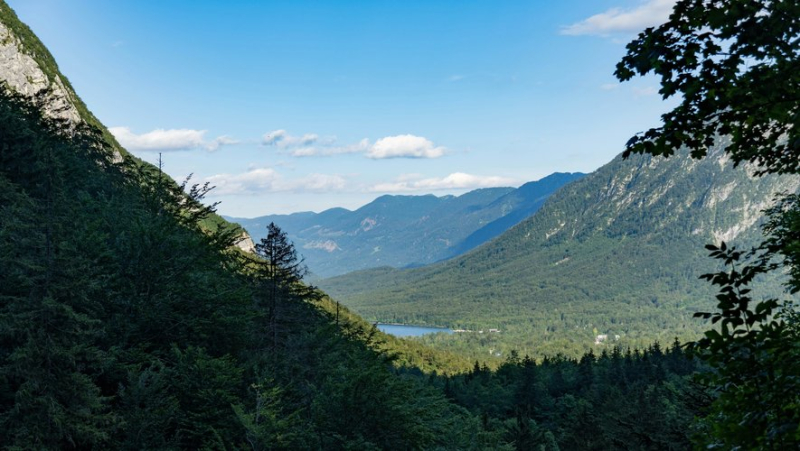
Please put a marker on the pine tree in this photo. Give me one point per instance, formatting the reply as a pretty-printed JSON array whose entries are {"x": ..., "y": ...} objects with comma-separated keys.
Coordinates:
[{"x": 280, "y": 283}]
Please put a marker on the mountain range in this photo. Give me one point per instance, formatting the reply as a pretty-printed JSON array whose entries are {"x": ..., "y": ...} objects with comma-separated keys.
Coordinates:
[
  {"x": 614, "y": 254},
  {"x": 405, "y": 231}
]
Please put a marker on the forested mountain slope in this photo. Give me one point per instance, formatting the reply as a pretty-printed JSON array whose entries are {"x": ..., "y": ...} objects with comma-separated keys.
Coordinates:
[
  {"x": 617, "y": 253},
  {"x": 125, "y": 325},
  {"x": 401, "y": 231}
]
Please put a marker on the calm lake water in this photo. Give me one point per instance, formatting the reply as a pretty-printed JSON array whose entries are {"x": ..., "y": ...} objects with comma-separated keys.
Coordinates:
[{"x": 410, "y": 331}]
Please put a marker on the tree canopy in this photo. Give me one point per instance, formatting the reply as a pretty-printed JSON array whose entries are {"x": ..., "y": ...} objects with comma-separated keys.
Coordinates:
[{"x": 735, "y": 65}]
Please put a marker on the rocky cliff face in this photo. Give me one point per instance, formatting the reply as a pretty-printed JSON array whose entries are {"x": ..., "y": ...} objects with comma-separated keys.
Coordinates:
[
  {"x": 648, "y": 196},
  {"x": 27, "y": 68},
  {"x": 24, "y": 75},
  {"x": 245, "y": 243}
]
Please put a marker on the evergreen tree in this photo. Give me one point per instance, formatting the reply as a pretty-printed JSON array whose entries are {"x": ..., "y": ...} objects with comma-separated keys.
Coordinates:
[{"x": 280, "y": 284}]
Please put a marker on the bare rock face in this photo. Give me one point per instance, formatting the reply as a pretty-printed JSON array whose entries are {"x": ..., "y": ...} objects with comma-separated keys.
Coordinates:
[
  {"x": 245, "y": 243},
  {"x": 23, "y": 74},
  {"x": 20, "y": 72}
]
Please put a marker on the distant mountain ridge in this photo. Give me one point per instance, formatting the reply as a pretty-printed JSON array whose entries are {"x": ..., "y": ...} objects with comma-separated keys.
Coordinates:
[
  {"x": 618, "y": 252},
  {"x": 403, "y": 231}
]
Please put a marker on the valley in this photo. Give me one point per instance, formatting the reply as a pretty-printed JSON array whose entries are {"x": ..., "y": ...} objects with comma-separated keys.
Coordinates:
[
  {"x": 648, "y": 304},
  {"x": 617, "y": 253}
]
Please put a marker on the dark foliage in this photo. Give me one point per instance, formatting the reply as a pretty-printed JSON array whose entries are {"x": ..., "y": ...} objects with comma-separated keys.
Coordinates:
[{"x": 619, "y": 400}]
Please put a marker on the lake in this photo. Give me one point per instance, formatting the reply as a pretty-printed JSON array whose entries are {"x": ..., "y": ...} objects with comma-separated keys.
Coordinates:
[{"x": 406, "y": 330}]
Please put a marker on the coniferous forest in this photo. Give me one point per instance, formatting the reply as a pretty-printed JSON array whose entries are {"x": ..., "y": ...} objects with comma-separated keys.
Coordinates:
[{"x": 129, "y": 318}]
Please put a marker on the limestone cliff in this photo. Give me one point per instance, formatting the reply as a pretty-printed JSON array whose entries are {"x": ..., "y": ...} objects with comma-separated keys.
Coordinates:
[{"x": 22, "y": 74}]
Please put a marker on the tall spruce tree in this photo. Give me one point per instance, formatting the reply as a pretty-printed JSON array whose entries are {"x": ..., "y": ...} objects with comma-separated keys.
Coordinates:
[{"x": 281, "y": 273}]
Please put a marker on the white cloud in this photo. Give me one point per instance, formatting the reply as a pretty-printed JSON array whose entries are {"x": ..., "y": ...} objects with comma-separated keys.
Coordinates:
[
  {"x": 311, "y": 145},
  {"x": 456, "y": 180},
  {"x": 220, "y": 141},
  {"x": 456, "y": 77},
  {"x": 267, "y": 180},
  {"x": 166, "y": 140},
  {"x": 404, "y": 146},
  {"x": 618, "y": 20},
  {"x": 283, "y": 140},
  {"x": 327, "y": 151},
  {"x": 305, "y": 152},
  {"x": 273, "y": 137},
  {"x": 252, "y": 181},
  {"x": 609, "y": 86},
  {"x": 160, "y": 139}
]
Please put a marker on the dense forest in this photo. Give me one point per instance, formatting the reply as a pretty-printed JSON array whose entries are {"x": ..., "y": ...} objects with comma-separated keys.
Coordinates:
[
  {"x": 125, "y": 325},
  {"x": 617, "y": 400}
]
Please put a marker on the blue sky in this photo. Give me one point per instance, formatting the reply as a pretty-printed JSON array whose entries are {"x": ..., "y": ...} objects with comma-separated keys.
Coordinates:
[{"x": 307, "y": 105}]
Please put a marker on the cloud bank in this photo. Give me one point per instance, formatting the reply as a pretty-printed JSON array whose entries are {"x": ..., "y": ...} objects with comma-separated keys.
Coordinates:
[
  {"x": 307, "y": 145},
  {"x": 623, "y": 21},
  {"x": 268, "y": 180},
  {"x": 284, "y": 140},
  {"x": 264, "y": 180},
  {"x": 328, "y": 151},
  {"x": 220, "y": 141}
]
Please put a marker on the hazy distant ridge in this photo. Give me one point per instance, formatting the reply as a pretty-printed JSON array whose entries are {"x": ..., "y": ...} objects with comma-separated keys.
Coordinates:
[{"x": 402, "y": 231}]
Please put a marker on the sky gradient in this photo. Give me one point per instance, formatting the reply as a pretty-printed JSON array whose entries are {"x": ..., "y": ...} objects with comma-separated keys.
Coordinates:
[{"x": 297, "y": 106}]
